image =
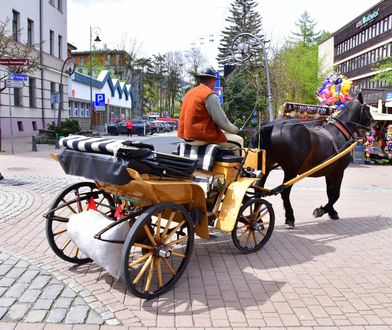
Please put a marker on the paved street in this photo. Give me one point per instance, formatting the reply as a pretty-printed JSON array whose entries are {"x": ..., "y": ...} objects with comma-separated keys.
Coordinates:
[{"x": 323, "y": 274}]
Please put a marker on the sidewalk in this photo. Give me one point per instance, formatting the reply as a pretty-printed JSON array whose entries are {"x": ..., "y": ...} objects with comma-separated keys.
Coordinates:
[{"x": 323, "y": 274}]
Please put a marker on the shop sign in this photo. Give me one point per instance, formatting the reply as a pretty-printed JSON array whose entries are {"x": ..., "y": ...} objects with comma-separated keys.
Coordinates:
[{"x": 366, "y": 19}]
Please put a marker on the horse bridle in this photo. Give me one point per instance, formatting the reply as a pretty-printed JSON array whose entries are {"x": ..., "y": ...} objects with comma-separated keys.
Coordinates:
[{"x": 345, "y": 130}]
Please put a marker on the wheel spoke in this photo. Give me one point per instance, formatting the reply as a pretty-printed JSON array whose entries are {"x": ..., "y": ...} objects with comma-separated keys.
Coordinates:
[
  {"x": 261, "y": 215},
  {"x": 144, "y": 246},
  {"x": 158, "y": 234},
  {"x": 169, "y": 266},
  {"x": 165, "y": 239},
  {"x": 142, "y": 270},
  {"x": 177, "y": 241},
  {"x": 178, "y": 254},
  {"x": 243, "y": 234},
  {"x": 254, "y": 237},
  {"x": 261, "y": 233},
  {"x": 246, "y": 218},
  {"x": 248, "y": 238},
  {"x": 150, "y": 274},
  {"x": 139, "y": 260},
  {"x": 159, "y": 271},
  {"x": 78, "y": 201},
  {"x": 69, "y": 206},
  {"x": 151, "y": 238},
  {"x": 76, "y": 252},
  {"x": 59, "y": 232},
  {"x": 168, "y": 224},
  {"x": 65, "y": 245}
]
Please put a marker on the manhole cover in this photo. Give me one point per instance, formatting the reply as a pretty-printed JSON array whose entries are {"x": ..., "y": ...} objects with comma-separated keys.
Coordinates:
[{"x": 18, "y": 169}]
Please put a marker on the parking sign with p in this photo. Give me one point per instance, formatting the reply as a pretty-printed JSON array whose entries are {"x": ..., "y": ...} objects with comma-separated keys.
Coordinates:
[{"x": 100, "y": 100}]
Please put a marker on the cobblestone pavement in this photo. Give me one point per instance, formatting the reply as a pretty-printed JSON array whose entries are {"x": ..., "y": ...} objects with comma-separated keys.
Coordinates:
[{"x": 323, "y": 274}]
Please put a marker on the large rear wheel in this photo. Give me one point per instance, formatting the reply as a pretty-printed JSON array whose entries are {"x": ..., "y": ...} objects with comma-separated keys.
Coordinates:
[
  {"x": 74, "y": 199},
  {"x": 157, "y": 250},
  {"x": 254, "y": 225}
]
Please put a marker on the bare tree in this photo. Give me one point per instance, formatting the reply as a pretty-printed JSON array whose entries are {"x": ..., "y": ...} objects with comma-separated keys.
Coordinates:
[
  {"x": 195, "y": 59},
  {"x": 10, "y": 48}
]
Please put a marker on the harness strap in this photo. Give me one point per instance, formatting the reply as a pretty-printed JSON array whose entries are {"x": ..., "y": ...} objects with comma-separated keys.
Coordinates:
[
  {"x": 341, "y": 128},
  {"x": 329, "y": 135}
]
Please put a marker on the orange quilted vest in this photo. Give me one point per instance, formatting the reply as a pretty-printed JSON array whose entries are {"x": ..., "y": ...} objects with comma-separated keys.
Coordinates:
[{"x": 195, "y": 122}]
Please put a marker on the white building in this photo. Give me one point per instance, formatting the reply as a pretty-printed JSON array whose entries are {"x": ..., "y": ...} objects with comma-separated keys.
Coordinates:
[
  {"x": 44, "y": 23},
  {"x": 117, "y": 96}
]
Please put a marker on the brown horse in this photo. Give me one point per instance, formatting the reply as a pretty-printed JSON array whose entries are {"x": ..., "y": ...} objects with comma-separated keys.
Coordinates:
[{"x": 297, "y": 147}]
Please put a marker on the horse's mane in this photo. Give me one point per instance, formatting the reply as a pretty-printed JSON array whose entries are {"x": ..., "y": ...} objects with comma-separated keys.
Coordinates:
[{"x": 266, "y": 129}]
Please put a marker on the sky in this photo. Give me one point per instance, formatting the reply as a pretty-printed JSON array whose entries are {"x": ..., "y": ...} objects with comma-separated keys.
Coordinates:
[{"x": 160, "y": 26}]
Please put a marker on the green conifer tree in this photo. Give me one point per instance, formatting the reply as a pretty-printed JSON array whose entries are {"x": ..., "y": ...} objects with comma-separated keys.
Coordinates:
[{"x": 243, "y": 19}]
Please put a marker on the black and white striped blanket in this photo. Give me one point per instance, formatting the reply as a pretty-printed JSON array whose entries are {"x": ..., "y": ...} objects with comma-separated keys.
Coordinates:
[
  {"x": 205, "y": 154},
  {"x": 90, "y": 144}
]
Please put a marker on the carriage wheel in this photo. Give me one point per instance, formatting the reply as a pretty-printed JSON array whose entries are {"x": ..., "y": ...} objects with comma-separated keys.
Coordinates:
[
  {"x": 254, "y": 225},
  {"x": 157, "y": 250},
  {"x": 72, "y": 200}
]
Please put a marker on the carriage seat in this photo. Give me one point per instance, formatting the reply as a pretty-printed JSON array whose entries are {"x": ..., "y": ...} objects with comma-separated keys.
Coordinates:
[
  {"x": 207, "y": 155},
  {"x": 106, "y": 160}
]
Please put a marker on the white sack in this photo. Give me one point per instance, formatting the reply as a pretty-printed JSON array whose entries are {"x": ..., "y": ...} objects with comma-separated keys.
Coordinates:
[{"x": 83, "y": 226}]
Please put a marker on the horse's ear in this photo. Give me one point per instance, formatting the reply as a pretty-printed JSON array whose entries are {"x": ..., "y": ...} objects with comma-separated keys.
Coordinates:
[{"x": 360, "y": 98}]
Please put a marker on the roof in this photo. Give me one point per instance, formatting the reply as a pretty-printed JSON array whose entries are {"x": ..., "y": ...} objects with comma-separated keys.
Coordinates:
[
  {"x": 100, "y": 81},
  {"x": 379, "y": 116}
]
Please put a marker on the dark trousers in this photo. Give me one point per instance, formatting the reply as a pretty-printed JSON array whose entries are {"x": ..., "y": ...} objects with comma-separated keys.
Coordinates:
[{"x": 129, "y": 131}]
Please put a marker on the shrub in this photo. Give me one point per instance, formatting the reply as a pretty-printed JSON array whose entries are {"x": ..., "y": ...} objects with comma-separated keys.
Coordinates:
[{"x": 69, "y": 126}]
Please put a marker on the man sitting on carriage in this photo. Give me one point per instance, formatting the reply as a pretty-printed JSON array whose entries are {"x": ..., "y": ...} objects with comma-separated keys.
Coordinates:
[{"x": 202, "y": 120}]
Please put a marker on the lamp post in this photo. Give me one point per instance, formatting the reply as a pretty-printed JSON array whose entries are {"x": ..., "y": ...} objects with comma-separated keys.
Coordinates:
[
  {"x": 242, "y": 47},
  {"x": 70, "y": 61},
  {"x": 97, "y": 31}
]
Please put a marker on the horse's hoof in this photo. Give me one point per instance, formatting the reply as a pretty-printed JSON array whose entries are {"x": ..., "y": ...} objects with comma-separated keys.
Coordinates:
[
  {"x": 289, "y": 225},
  {"x": 319, "y": 212},
  {"x": 334, "y": 216}
]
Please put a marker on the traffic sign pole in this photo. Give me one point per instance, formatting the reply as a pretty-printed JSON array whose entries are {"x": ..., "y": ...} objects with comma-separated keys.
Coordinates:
[{"x": 10, "y": 109}]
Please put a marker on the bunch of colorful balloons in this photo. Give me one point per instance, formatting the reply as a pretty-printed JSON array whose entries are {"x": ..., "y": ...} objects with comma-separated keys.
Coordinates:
[{"x": 335, "y": 92}]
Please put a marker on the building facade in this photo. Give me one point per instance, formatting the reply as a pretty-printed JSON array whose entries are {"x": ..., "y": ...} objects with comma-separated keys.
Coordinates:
[
  {"x": 117, "y": 62},
  {"x": 117, "y": 104},
  {"x": 356, "y": 48},
  {"x": 42, "y": 23}
]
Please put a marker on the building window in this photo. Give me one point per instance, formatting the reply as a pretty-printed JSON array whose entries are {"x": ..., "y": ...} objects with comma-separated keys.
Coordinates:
[
  {"x": 20, "y": 126},
  {"x": 15, "y": 25},
  {"x": 60, "y": 5},
  {"x": 52, "y": 95},
  {"x": 30, "y": 32},
  {"x": 60, "y": 46},
  {"x": 76, "y": 110},
  {"x": 32, "y": 92},
  {"x": 51, "y": 41},
  {"x": 17, "y": 97},
  {"x": 34, "y": 123}
]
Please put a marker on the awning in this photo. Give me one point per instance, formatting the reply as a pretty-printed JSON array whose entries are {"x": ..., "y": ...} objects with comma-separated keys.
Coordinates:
[{"x": 388, "y": 104}]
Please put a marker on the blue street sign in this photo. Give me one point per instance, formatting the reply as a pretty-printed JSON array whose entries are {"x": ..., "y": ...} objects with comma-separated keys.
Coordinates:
[
  {"x": 219, "y": 91},
  {"x": 100, "y": 100},
  {"x": 17, "y": 76},
  {"x": 217, "y": 83}
]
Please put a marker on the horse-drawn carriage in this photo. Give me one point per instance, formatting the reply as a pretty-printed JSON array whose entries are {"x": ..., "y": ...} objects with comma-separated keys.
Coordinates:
[{"x": 139, "y": 216}]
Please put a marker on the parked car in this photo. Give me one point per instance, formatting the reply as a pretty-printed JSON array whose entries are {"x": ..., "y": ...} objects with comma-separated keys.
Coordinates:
[
  {"x": 161, "y": 127},
  {"x": 137, "y": 128},
  {"x": 153, "y": 127},
  {"x": 169, "y": 128},
  {"x": 172, "y": 124}
]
